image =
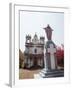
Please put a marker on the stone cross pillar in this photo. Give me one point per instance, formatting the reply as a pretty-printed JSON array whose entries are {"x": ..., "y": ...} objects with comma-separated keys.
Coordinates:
[
  {"x": 45, "y": 61},
  {"x": 50, "y": 63},
  {"x": 52, "y": 52}
]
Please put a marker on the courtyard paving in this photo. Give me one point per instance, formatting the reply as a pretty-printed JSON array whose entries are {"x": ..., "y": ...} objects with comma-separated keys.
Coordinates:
[{"x": 27, "y": 74}]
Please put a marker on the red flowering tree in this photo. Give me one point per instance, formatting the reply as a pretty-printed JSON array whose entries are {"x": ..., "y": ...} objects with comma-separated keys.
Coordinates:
[{"x": 60, "y": 56}]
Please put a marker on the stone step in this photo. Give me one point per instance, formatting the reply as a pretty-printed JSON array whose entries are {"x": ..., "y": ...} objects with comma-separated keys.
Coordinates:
[{"x": 53, "y": 73}]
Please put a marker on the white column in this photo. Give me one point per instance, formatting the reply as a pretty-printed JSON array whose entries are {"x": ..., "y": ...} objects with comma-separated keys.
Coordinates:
[
  {"x": 45, "y": 60},
  {"x": 29, "y": 63},
  {"x": 40, "y": 62},
  {"x": 45, "y": 63}
]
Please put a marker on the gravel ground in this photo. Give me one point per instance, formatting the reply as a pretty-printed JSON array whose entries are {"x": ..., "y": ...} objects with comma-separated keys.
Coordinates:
[{"x": 27, "y": 74}]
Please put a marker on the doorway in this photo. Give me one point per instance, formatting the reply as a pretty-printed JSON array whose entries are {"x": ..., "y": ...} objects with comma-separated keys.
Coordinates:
[{"x": 35, "y": 62}]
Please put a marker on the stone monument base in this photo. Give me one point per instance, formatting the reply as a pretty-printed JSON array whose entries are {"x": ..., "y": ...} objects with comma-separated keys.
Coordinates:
[{"x": 50, "y": 73}]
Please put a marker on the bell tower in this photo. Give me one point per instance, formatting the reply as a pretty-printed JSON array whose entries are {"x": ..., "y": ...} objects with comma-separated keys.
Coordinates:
[{"x": 28, "y": 38}]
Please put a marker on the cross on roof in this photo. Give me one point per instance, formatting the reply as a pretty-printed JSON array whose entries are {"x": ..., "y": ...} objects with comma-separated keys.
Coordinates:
[{"x": 51, "y": 50}]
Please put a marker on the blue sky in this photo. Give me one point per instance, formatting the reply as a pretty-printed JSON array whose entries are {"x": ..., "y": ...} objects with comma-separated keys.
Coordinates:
[{"x": 34, "y": 22}]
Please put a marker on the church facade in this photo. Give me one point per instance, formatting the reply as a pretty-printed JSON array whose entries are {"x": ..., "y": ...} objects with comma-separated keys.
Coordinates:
[{"x": 34, "y": 51}]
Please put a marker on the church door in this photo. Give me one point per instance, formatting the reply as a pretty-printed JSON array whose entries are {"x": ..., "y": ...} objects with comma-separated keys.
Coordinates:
[{"x": 35, "y": 62}]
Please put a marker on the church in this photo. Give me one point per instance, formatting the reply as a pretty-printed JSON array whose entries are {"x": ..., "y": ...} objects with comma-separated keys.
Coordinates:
[{"x": 34, "y": 51}]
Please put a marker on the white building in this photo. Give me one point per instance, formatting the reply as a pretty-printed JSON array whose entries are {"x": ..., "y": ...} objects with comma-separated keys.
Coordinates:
[{"x": 34, "y": 51}]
